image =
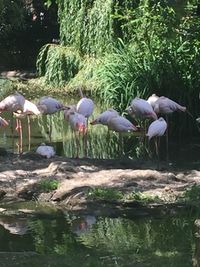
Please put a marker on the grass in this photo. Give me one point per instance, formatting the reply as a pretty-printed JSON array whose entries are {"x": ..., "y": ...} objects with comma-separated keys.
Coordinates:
[
  {"x": 111, "y": 194},
  {"x": 48, "y": 185}
]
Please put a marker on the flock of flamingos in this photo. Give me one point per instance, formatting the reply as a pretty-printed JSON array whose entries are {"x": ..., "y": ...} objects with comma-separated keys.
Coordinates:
[{"x": 78, "y": 115}]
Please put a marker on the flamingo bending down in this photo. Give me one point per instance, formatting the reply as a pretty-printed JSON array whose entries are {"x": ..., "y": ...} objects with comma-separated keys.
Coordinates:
[
  {"x": 156, "y": 129},
  {"x": 78, "y": 124},
  {"x": 48, "y": 106},
  {"x": 105, "y": 116},
  {"x": 141, "y": 108}
]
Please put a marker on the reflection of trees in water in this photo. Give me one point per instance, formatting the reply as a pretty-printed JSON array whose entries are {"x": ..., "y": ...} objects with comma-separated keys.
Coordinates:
[{"x": 166, "y": 242}]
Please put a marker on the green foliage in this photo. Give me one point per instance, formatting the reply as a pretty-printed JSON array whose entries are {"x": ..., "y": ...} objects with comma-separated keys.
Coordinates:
[
  {"x": 48, "y": 185},
  {"x": 6, "y": 87},
  {"x": 104, "y": 194},
  {"x": 192, "y": 195},
  {"x": 141, "y": 197},
  {"x": 58, "y": 64}
]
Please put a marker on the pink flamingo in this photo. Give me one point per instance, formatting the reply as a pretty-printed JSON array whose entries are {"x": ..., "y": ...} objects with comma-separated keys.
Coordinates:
[{"x": 78, "y": 124}]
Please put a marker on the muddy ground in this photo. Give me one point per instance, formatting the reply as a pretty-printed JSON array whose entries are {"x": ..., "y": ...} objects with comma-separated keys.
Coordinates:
[{"x": 21, "y": 176}]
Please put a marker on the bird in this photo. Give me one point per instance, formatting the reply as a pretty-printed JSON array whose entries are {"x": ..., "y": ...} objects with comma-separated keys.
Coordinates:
[
  {"x": 12, "y": 103},
  {"x": 164, "y": 105},
  {"x": 29, "y": 109},
  {"x": 141, "y": 109},
  {"x": 104, "y": 117},
  {"x": 156, "y": 129},
  {"x": 48, "y": 106},
  {"x": 85, "y": 106},
  {"x": 120, "y": 124},
  {"x": 16, "y": 103},
  {"x": 152, "y": 99},
  {"x": 78, "y": 123},
  {"x": 45, "y": 151}
]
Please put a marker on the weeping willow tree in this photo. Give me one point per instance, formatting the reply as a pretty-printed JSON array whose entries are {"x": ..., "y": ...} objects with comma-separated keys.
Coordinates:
[{"x": 141, "y": 47}]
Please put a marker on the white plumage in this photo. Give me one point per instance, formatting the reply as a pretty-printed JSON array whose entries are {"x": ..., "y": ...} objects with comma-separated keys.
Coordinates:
[
  {"x": 152, "y": 99},
  {"x": 46, "y": 151},
  {"x": 141, "y": 108},
  {"x": 157, "y": 128},
  {"x": 105, "y": 116},
  {"x": 85, "y": 107},
  {"x": 120, "y": 124}
]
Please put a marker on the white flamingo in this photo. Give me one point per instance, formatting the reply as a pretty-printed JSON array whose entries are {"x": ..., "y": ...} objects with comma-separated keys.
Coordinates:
[
  {"x": 156, "y": 129},
  {"x": 152, "y": 99},
  {"x": 141, "y": 109},
  {"x": 105, "y": 116},
  {"x": 48, "y": 106}
]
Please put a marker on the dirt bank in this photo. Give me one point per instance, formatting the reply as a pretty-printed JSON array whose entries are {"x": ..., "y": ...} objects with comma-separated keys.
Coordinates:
[{"x": 21, "y": 178}]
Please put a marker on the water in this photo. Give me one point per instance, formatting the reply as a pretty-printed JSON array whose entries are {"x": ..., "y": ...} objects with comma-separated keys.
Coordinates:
[
  {"x": 101, "y": 144},
  {"x": 63, "y": 239}
]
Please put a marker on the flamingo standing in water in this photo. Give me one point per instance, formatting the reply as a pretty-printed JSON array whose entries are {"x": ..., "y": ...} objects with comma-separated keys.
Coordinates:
[
  {"x": 48, "y": 106},
  {"x": 85, "y": 106},
  {"x": 105, "y": 116},
  {"x": 16, "y": 103},
  {"x": 164, "y": 105},
  {"x": 78, "y": 123},
  {"x": 156, "y": 129},
  {"x": 141, "y": 109}
]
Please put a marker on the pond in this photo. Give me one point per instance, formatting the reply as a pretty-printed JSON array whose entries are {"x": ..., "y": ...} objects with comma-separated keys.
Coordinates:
[
  {"x": 64, "y": 239},
  {"x": 101, "y": 143}
]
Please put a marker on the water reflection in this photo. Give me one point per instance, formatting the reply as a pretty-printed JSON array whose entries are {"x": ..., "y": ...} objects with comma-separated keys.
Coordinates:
[{"x": 104, "y": 241}]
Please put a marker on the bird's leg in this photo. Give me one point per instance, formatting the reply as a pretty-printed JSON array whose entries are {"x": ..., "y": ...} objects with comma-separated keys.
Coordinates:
[
  {"x": 77, "y": 144},
  {"x": 12, "y": 130},
  {"x": 120, "y": 144},
  {"x": 20, "y": 136},
  {"x": 85, "y": 141},
  {"x": 157, "y": 152},
  {"x": 29, "y": 132},
  {"x": 167, "y": 139},
  {"x": 50, "y": 129}
]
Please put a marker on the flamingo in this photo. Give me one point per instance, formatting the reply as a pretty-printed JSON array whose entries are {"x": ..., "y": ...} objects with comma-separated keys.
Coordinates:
[
  {"x": 105, "y": 116},
  {"x": 16, "y": 103},
  {"x": 85, "y": 106},
  {"x": 49, "y": 105},
  {"x": 165, "y": 105},
  {"x": 46, "y": 151},
  {"x": 141, "y": 108},
  {"x": 156, "y": 129},
  {"x": 29, "y": 109},
  {"x": 152, "y": 99},
  {"x": 78, "y": 123}
]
